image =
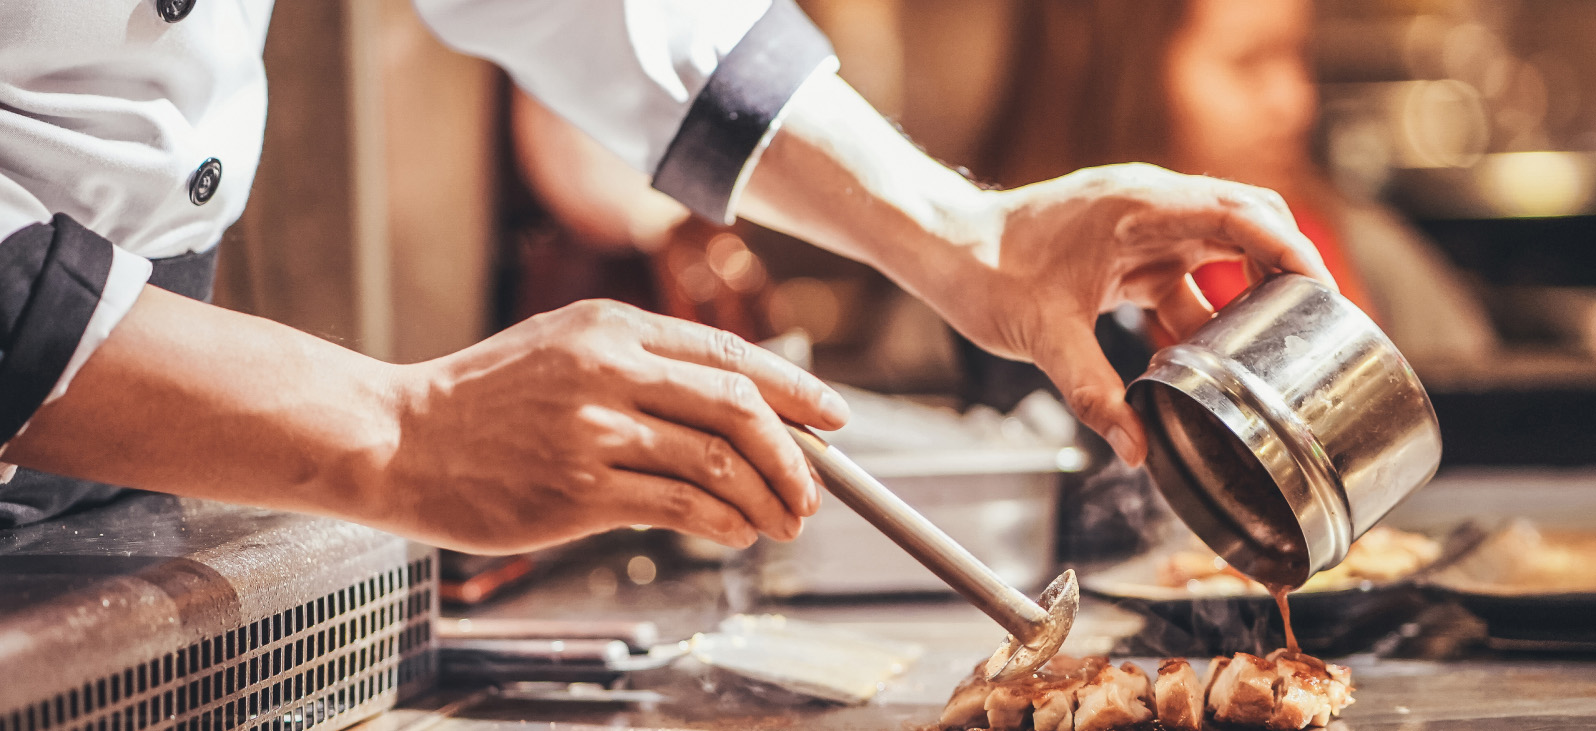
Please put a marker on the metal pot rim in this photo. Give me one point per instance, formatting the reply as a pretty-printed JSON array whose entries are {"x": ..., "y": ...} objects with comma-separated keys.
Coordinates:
[{"x": 1280, "y": 443}]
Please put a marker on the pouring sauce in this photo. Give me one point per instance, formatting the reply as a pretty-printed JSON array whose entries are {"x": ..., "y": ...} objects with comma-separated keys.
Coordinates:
[{"x": 1279, "y": 591}]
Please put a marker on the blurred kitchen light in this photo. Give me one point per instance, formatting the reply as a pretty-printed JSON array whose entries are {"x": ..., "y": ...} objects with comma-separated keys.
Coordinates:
[
  {"x": 641, "y": 570},
  {"x": 1468, "y": 50},
  {"x": 731, "y": 260},
  {"x": 805, "y": 303},
  {"x": 1443, "y": 123},
  {"x": 1130, "y": 317},
  {"x": 727, "y": 256},
  {"x": 1498, "y": 77},
  {"x": 1537, "y": 184},
  {"x": 698, "y": 282},
  {"x": 752, "y": 278},
  {"x": 1072, "y": 459}
]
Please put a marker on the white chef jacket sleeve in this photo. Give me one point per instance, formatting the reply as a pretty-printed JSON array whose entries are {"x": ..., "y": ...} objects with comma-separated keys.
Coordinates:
[
  {"x": 63, "y": 288},
  {"x": 689, "y": 91}
]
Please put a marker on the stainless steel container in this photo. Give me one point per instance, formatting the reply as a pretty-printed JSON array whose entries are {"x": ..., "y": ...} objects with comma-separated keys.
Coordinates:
[{"x": 1286, "y": 427}]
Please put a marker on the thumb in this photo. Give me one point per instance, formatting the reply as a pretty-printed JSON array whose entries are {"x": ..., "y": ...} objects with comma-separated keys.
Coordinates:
[{"x": 1075, "y": 362}]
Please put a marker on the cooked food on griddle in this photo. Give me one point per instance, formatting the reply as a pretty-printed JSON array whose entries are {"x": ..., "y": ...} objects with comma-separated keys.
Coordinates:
[
  {"x": 1178, "y": 696},
  {"x": 1282, "y": 691},
  {"x": 1381, "y": 555},
  {"x": 1522, "y": 559},
  {"x": 1119, "y": 697}
]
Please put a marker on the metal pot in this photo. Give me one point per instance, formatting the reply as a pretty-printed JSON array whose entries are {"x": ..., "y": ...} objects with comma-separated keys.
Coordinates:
[{"x": 1286, "y": 427}]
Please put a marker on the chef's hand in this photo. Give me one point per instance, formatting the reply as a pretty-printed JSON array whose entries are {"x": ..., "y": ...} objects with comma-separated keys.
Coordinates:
[
  {"x": 1023, "y": 273},
  {"x": 591, "y": 417},
  {"x": 601, "y": 415},
  {"x": 1074, "y": 247}
]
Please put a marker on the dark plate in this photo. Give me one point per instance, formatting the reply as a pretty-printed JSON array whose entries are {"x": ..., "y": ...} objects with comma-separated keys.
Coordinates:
[
  {"x": 1327, "y": 622},
  {"x": 1559, "y": 623},
  {"x": 1517, "y": 617}
]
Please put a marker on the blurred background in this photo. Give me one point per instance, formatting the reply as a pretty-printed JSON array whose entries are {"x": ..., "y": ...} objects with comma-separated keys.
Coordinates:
[{"x": 1440, "y": 153}]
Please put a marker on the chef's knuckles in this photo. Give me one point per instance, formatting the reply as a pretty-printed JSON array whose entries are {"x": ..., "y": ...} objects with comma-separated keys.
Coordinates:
[{"x": 583, "y": 420}]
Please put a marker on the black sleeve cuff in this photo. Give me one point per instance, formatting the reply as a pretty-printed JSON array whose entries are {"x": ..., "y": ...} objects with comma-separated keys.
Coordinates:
[
  {"x": 51, "y": 277},
  {"x": 727, "y": 122}
]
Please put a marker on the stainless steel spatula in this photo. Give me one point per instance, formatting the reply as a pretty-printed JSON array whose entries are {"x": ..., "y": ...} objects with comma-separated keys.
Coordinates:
[{"x": 1036, "y": 630}]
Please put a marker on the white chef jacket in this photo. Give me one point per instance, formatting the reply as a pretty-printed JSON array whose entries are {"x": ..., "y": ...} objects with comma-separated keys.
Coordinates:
[{"x": 116, "y": 116}]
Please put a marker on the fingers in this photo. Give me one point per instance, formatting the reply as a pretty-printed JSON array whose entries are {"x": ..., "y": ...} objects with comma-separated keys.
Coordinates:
[
  {"x": 727, "y": 404},
  {"x": 1255, "y": 221},
  {"x": 1075, "y": 362},
  {"x": 791, "y": 391},
  {"x": 1183, "y": 309},
  {"x": 679, "y": 506},
  {"x": 1252, "y": 271},
  {"x": 709, "y": 462}
]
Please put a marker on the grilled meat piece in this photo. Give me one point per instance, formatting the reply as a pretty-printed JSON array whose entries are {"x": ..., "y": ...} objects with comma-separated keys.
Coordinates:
[
  {"x": 967, "y": 706},
  {"x": 1281, "y": 692},
  {"x": 1115, "y": 699},
  {"x": 1055, "y": 710},
  {"x": 1057, "y": 695},
  {"x": 1308, "y": 691},
  {"x": 1300, "y": 696},
  {"x": 1007, "y": 706},
  {"x": 1178, "y": 696},
  {"x": 1340, "y": 691},
  {"x": 1244, "y": 691}
]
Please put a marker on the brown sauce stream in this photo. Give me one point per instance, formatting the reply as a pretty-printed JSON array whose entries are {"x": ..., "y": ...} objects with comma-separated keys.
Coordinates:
[{"x": 1279, "y": 591}]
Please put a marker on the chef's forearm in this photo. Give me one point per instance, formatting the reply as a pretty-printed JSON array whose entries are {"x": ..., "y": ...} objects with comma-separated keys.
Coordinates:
[
  {"x": 195, "y": 400},
  {"x": 840, "y": 176}
]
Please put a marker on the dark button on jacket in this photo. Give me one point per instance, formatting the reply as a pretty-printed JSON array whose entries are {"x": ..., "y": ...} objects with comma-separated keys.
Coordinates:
[
  {"x": 174, "y": 10},
  {"x": 205, "y": 180}
]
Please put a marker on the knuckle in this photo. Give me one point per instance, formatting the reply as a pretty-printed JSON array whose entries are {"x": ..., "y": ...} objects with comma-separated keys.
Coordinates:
[
  {"x": 604, "y": 428},
  {"x": 601, "y": 312},
  {"x": 1090, "y": 404},
  {"x": 585, "y": 480},
  {"x": 678, "y": 501},
  {"x": 730, "y": 349},
  {"x": 805, "y": 387},
  {"x": 586, "y": 311},
  {"x": 740, "y": 393},
  {"x": 719, "y": 459}
]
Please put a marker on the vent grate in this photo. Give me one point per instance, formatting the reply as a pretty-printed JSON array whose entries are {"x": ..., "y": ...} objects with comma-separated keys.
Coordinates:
[{"x": 330, "y": 661}]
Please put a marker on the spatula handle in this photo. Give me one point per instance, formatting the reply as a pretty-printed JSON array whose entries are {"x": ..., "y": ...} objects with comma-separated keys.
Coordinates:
[{"x": 950, "y": 561}]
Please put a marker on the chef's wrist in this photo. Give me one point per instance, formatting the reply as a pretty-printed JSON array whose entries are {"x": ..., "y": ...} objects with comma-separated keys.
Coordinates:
[{"x": 373, "y": 477}]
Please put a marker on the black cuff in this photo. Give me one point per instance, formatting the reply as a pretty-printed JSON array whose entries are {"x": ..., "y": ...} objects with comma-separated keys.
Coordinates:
[
  {"x": 51, "y": 277},
  {"x": 725, "y": 124}
]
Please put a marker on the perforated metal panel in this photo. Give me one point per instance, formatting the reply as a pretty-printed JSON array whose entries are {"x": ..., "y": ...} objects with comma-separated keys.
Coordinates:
[{"x": 324, "y": 661}]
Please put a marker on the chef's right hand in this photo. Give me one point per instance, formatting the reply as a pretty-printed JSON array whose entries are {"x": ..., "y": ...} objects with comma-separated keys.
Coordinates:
[{"x": 600, "y": 415}]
